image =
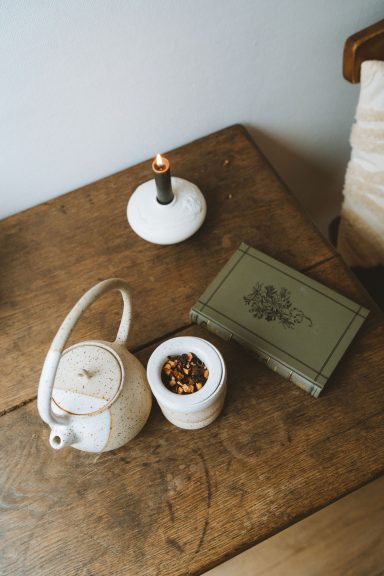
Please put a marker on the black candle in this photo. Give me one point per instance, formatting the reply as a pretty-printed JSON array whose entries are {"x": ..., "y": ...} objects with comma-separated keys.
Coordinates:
[{"x": 160, "y": 167}]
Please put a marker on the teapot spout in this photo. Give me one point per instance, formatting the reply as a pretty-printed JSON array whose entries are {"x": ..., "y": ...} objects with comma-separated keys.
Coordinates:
[{"x": 61, "y": 436}]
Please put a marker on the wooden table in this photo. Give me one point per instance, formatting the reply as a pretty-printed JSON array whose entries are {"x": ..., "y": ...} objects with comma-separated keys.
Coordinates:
[{"x": 172, "y": 501}]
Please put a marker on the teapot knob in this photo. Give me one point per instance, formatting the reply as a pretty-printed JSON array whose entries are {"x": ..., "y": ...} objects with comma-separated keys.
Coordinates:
[{"x": 87, "y": 373}]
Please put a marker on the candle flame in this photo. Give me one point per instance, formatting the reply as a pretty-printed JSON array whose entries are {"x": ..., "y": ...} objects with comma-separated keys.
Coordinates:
[{"x": 159, "y": 161}]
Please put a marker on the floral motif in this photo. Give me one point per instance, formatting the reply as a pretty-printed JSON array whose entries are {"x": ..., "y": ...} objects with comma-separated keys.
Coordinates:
[{"x": 273, "y": 304}]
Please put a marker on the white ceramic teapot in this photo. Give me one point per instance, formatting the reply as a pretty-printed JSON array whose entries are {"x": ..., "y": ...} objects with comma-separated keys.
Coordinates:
[{"x": 94, "y": 395}]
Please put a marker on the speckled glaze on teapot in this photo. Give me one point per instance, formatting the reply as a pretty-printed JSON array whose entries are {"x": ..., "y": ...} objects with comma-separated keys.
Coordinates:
[{"x": 94, "y": 395}]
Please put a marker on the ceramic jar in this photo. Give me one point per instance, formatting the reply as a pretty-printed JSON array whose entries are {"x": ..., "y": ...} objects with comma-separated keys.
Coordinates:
[{"x": 200, "y": 408}]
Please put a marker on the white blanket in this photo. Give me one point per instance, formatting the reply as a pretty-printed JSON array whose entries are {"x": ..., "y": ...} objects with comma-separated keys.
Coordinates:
[{"x": 361, "y": 233}]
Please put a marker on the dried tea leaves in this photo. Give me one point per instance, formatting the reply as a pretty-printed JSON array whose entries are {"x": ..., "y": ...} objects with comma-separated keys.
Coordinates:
[{"x": 184, "y": 374}]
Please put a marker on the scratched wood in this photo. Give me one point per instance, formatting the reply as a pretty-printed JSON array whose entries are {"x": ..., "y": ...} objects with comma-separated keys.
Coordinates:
[
  {"x": 345, "y": 538},
  {"x": 51, "y": 254},
  {"x": 175, "y": 502}
]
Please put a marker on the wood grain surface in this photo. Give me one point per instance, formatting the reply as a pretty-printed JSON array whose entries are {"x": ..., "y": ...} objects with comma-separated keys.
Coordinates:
[
  {"x": 175, "y": 502},
  {"x": 50, "y": 255},
  {"x": 345, "y": 538}
]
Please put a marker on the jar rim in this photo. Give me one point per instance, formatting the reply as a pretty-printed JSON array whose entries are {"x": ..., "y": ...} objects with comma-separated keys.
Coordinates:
[{"x": 206, "y": 351}]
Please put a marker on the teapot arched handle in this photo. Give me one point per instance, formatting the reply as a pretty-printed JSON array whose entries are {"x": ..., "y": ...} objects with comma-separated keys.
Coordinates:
[{"x": 52, "y": 359}]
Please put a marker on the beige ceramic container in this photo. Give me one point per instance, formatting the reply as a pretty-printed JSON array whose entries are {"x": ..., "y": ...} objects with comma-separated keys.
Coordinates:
[
  {"x": 94, "y": 395},
  {"x": 195, "y": 410}
]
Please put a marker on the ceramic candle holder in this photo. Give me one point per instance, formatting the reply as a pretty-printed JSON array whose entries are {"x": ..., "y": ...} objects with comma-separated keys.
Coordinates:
[
  {"x": 200, "y": 408},
  {"x": 166, "y": 223}
]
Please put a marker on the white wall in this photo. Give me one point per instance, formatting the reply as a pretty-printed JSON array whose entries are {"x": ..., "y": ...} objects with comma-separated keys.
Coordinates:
[{"x": 89, "y": 87}]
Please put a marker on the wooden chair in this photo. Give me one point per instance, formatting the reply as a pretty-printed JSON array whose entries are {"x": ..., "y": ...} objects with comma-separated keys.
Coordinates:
[{"x": 367, "y": 44}]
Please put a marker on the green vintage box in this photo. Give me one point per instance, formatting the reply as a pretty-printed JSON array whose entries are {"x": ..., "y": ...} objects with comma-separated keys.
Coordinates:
[{"x": 297, "y": 326}]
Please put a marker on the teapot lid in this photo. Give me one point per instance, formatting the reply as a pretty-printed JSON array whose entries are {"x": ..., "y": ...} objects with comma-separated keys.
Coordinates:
[{"x": 88, "y": 379}]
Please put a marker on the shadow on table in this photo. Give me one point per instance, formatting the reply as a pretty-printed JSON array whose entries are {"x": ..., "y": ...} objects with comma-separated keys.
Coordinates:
[
  {"x": 371, "y": 278},
  {"x": 318, "y": 187}
]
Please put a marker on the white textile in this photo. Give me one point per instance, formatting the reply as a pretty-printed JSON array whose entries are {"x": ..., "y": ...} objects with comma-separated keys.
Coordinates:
[{"x": 361, "y": 233}]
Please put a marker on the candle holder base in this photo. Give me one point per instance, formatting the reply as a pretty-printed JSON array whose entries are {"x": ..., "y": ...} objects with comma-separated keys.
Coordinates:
[{"x": 166, "y": 223}]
